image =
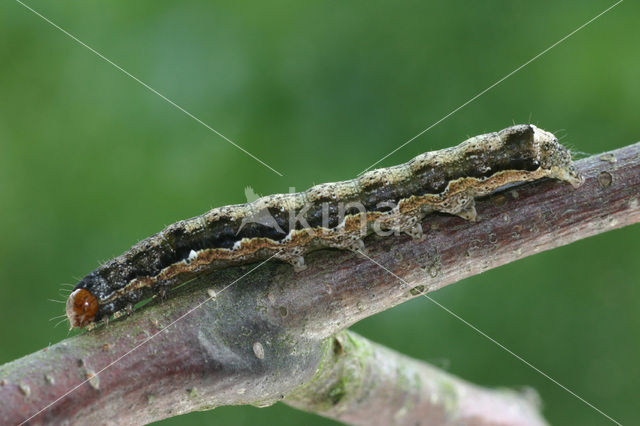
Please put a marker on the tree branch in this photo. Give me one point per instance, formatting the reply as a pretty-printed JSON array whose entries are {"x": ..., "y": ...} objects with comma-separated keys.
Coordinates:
[
  {"x": 264, "y": 336},
  {"x": 360, "y": 382}
]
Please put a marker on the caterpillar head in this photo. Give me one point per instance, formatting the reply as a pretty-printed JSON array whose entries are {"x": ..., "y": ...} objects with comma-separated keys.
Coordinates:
[{"x": 82, "y": 308}]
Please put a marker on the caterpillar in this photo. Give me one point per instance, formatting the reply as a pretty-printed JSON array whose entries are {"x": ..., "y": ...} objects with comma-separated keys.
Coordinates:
[{"x": 331, "y": 215}]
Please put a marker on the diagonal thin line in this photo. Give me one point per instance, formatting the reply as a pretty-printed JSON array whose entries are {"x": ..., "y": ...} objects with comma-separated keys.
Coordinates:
[
  {"x": 145, "y": 341},
  {"x": 500, "y": 345},
  {"x": 493, "y": 85},
  {"x": 146, "y": 86}
]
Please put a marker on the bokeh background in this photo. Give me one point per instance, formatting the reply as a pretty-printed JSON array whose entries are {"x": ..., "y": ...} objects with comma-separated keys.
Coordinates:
[{"x": 91, "y": 162}]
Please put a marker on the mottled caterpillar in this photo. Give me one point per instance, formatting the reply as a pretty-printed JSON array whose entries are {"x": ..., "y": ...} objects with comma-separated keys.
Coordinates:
[{"x": 332, "y": 215}]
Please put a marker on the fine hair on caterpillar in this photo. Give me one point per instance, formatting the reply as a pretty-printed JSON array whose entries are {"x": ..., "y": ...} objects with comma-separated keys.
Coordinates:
[{"x": 335, "y": 215}]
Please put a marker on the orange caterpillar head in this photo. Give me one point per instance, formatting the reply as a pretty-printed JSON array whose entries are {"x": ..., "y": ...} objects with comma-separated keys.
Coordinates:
[{"x": 82, "y": 307}]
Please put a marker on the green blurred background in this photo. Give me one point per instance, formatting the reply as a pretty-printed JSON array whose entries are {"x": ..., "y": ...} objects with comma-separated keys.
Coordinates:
[{"x": 91, "y": 162}]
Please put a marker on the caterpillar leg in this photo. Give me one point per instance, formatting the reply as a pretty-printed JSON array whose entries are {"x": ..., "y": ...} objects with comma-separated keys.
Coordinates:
[
  {"x": 469, "y": 213},
  {"x": 415, "y": 232},
  {"x": 294, "y": 259}
]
